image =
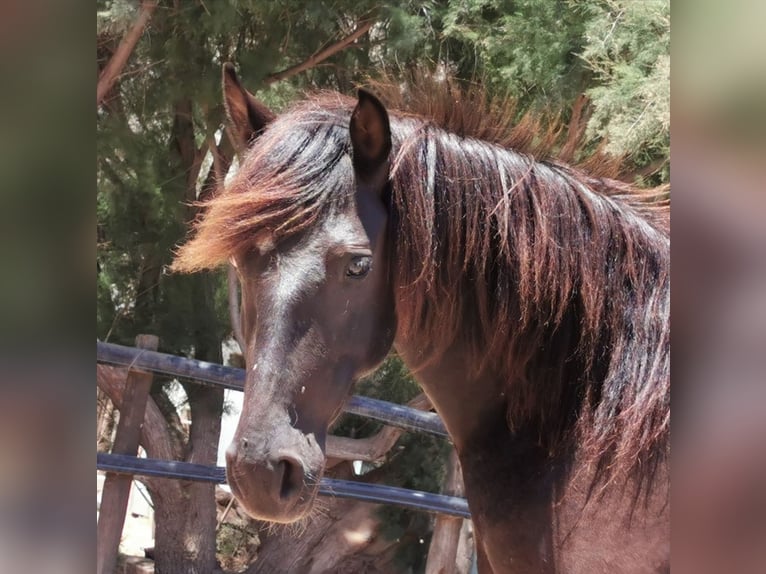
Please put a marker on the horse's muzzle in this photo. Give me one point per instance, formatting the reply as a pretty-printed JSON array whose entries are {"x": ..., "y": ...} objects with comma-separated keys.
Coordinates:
[{"x": 277, "y": 486}]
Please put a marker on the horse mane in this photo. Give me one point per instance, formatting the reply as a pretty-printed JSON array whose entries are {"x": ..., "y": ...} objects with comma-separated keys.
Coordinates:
[
  {"x": 299, "y": 171},
  {"x": 555, "y": 277}
]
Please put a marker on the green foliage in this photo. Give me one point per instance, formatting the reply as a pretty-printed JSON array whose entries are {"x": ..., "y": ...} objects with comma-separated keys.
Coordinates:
[
  {"x": 522, "y": 47},
  {"x": 114, "y": 16},
  {"x": 407, "y": 32},
  {"x": 391, "y": 382},
  {"x": 628, "y": 49}
]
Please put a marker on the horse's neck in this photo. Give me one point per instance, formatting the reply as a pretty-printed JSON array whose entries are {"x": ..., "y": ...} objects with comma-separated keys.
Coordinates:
[
  {"x": 531, "y": 511},
  {"x": 463, "y": 399},
  {"x": 468, "y": 401},
  {"x": 510, "y": 501}
]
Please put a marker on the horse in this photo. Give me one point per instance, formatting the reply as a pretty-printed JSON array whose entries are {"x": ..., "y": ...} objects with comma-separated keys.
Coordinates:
[{"x": 528, "y": 296}]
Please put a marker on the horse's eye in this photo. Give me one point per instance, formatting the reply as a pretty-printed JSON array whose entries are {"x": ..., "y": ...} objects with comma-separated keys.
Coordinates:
[{"x": 359, "y": 266}]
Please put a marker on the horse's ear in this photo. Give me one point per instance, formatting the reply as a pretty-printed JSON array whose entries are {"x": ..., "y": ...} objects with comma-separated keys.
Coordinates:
[
  {"x": 247, "y": 116},
  {"x": 370, "y": 135}
]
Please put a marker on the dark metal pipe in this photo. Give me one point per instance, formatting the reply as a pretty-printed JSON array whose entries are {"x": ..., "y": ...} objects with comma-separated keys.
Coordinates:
[
  {"x": 232, "y": 378},
  {"x": 376, "y": 493}
]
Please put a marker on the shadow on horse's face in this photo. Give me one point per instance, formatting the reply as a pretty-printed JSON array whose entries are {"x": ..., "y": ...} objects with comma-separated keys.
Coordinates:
[{"x": 317, "y": 313}]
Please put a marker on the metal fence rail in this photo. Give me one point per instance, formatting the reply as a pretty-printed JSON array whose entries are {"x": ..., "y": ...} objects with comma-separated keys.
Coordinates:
[
  {"x": 232, "y": 378},
  {"x": 327, "y": 487}
]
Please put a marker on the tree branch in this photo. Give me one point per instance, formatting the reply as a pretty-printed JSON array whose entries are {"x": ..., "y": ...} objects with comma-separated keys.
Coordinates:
[
  {"x": 371, "y": 448},
  {"x": 128, "y": 43},
  {"x": 322, "y": 55},
  {"x": 182, "y": 143},
  {"x": 223, "y": 154}
]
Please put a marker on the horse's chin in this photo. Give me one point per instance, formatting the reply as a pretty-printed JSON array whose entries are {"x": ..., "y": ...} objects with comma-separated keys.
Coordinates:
[
  {"x": 270, "y": 510},
  {"x": 281, "y": 516}
]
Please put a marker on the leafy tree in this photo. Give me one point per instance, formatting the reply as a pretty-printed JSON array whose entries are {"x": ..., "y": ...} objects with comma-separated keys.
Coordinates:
[
  {"x": 544, "y": 53},
  {"x": 628, "y": 48},
  {"x": 523, "y": 47}
]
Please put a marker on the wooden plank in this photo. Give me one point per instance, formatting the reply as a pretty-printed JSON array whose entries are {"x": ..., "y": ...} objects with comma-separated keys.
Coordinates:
[
  {"x": 114, "y": 497},
  {"x": 442, "y": 552},
  {"x": 336, "y": 488}
]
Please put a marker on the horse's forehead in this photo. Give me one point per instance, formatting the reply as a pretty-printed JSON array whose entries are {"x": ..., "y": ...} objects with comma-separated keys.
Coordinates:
[
  {"x": 337, "y": 233},
  {"x": 303, "y": 265},
  {"x": 345, "y": 228}
]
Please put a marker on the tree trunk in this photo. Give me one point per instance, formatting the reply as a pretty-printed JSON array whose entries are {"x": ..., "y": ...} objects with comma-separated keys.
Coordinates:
[
  {"x": 465, "y": 549},
  {"x": 200, "y": 527},
  {"x": 184, "y": 511},
  {"x": 185, "y": 517},
  {"x": 182, "y": 545}
]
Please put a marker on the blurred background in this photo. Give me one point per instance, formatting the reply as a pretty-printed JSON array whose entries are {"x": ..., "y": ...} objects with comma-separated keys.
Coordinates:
[
  {"x": 719, "y": 291},
  {"x": 159, "y": 127}
]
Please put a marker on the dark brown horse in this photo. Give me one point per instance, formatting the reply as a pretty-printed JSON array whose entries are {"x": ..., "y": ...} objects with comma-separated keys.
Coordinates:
[{"x": 530, "y": 300}]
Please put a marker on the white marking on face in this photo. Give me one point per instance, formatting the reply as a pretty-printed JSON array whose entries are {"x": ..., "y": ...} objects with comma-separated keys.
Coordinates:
[{"x": 298, "y": 272}]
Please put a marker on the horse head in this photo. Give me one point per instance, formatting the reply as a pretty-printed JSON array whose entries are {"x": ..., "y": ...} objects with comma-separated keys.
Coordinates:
[{"x": 317, "y": 305}]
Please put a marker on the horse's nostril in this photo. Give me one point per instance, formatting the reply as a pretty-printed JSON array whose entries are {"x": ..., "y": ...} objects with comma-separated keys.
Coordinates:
[{"x": 292, "y": 478}]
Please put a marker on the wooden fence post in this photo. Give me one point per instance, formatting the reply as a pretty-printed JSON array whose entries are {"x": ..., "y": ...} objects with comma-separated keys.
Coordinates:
[
  {"x": 114, "y": 497},
  {"x": 443, "y": 550}
]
